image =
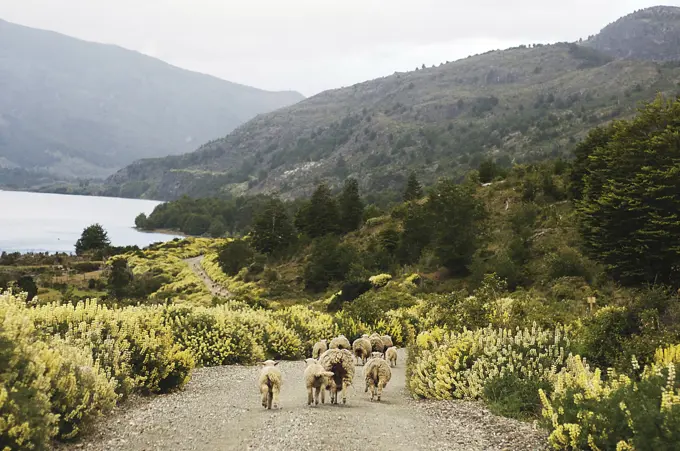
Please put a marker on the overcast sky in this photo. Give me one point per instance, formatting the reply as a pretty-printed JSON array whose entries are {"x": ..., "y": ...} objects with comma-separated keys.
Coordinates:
[{"x": 313, "y": 45}]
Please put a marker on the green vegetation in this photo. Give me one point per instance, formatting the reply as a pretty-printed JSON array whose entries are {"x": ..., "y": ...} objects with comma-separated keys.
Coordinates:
[
  {"x": 93, "y": 239},
  {"x": 486, "y": 112},
  {"x": 495, "y": 287}
]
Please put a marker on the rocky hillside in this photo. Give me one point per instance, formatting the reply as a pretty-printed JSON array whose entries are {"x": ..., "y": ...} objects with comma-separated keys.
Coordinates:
[
  {"x": 649, "y": 34},
  {"x": 515, "y": 105},
  {"x": 75, "y": 108}
]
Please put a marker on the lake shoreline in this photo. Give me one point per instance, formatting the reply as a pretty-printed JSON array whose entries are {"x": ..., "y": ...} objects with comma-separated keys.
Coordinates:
[{"x": 50, "y": 222}]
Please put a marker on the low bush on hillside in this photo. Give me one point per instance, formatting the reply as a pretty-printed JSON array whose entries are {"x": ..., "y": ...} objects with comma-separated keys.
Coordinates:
[
  {"x": 587, "y": 410},
  {"x": 458, "y": 365}
]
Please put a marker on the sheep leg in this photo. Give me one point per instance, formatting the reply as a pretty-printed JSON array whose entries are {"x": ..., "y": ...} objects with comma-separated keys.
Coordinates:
[
  {"x": 316, "y": 395},
  {"x": 372, "y": 384},
  {"x": 323, "y": 395},
  {"x": 380, "y": 389},
  {"x": 275, "y": 396},
  {"x": 344, "y": 392},
  {"x": 264, "y": 389},
  {"x": 310, "y": 397}
]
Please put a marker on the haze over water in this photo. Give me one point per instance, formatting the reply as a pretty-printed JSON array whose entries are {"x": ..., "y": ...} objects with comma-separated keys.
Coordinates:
[{"x": 37, "y": 222}]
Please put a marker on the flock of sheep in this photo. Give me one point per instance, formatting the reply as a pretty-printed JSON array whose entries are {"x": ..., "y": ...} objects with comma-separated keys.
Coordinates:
[{"x": 331, "y": 368}]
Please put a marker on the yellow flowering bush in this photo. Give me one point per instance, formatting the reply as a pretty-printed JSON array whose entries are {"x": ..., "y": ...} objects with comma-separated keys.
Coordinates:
[
  {"x": 132, "y": 344},
  {"x": 48, "y": 387},
  {"x": 587, "y": 410},
  {"x": 309, "y": 325},
  {"x": 380, "y": 280},
  {"x": 214, "y": 336},
  {"x": 450, "y": 365}
]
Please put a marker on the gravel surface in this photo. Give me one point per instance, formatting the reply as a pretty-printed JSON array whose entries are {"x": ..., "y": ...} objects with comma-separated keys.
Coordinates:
[
  {"x": 215, "y": 288},
  {"x": 220, "y": 410}
]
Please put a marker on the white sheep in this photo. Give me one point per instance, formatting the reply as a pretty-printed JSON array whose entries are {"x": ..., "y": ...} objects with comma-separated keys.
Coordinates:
[
  {"x": 391, "y": 355},
  {"x": 316, "y": 379},
  {"x": 387, "y": 341},
  {"x": 270, "y": 384},
  {"x": 377, "y": 373},
  {"x": 377, "y": 343},
  {"x": 341, "y": 363},
  {"x": 340, "y": 342},
  {"x": 362, "y": 349},
  {"x": 319, "y": 348}
]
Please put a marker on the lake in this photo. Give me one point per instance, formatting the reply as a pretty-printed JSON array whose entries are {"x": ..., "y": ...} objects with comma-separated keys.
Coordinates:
[{"x": 37, "y": 222}]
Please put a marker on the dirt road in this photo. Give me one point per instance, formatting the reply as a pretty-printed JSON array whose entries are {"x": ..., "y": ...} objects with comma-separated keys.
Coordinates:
[
  {"x": 215, "y": 288},
  {"x": 220, "y": 410}
]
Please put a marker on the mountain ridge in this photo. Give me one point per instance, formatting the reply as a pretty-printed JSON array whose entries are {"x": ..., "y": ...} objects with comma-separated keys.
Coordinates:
[
  {"x": 516, "y": 105},
  {"x": 71, "y": 107}
]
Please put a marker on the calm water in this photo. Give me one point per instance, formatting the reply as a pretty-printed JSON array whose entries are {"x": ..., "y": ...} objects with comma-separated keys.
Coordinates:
[{"x": 36, "y": 222}]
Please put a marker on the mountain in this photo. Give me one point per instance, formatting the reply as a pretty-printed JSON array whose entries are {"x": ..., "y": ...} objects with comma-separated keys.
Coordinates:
[
  {"x": 75, "y": 108},
  {"x": 516, "y": 105},
  {"x": 649, "y": 34}
]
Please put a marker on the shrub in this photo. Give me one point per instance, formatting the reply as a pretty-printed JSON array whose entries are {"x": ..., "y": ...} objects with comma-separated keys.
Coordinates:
[
  {"x": 515, "y": 397},
  {"x": 235, "y": 255},
  {"x": 371, "y": 306},
  {"x": 586, "y": 411},
  {"x": 380, "y": 280},
  {"x": 26, "y": 420},
  {"x": 458, "y": 365}
]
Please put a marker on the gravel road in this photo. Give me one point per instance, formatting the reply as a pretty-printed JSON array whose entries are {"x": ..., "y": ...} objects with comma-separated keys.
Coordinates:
[
  {"x": 215, "y": 288},
  {"x": 220, "y": 410}
]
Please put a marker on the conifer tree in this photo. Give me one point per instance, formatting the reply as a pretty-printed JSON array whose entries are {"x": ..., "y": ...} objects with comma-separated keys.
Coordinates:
[
  {"x": 351, "y": 208},
  {"x": 414, "y": 190},
  {"x": 631, "y": 197},
  {"x": 319, "y": 216},
  {"x": 272, "y": 229}
]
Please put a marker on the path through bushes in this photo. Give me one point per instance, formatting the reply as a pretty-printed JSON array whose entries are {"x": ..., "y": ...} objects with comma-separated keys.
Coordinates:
[
  {"x": 215, "y": 288},
  {"x": 220, "y": 410}
]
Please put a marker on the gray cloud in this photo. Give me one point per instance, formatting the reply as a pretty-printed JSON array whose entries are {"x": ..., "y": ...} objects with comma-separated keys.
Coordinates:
[{"x": 312, "y": 45}]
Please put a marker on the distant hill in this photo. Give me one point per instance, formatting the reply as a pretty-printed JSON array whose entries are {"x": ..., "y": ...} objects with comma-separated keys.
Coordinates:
[
  {"x": 516, "y": 105},
  {"x": 651, "y": 34},
  {"x": 75, "y": 108}
]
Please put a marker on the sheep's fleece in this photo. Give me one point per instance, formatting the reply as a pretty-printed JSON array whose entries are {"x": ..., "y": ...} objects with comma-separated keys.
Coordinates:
[{"x": 340, "y": 342}]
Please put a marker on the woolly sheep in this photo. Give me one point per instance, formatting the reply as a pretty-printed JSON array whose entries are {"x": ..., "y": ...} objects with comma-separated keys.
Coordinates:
[
  {"x": 316, "y": 379},
  {"x": 362, "y": 349},
  {"x": 340, "y": 342},
  {"x": 341, "y": 363},
  {"x": 377, "y": 373},
  {"x": 391, "y": 355},
  {"x": 270, "y": 384},
  {"x": 319, "y": 348},
  {"x": 377, "y": 343},
  {"x": 387, "y": 341}
]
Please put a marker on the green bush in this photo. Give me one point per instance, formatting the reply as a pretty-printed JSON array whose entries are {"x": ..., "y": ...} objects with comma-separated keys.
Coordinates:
[
  {"x": 586, "y": 412},
  {"x": 458, "y": 365},
  {"x": 235, "y": 255},
  {"x": 515, "y": 397}
]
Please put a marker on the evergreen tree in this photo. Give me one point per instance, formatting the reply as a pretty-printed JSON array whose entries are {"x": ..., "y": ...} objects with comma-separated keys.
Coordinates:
[
  {"x": 487, "y": 170},
  {"x": 319, "y": 216},
  {"x": 457, "y": 223},
  {"x": 272, "y": 229},
  {"x": 119, "y": 277},
  {"x": 351, "y": 207},
  {"x": 631, "y": 197},
  {"x": 93, "y": 238},
  {"x": 414, "y": 190},
  {"x": 598, "y": 137},
  {"x": 416, "y": 235}
]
